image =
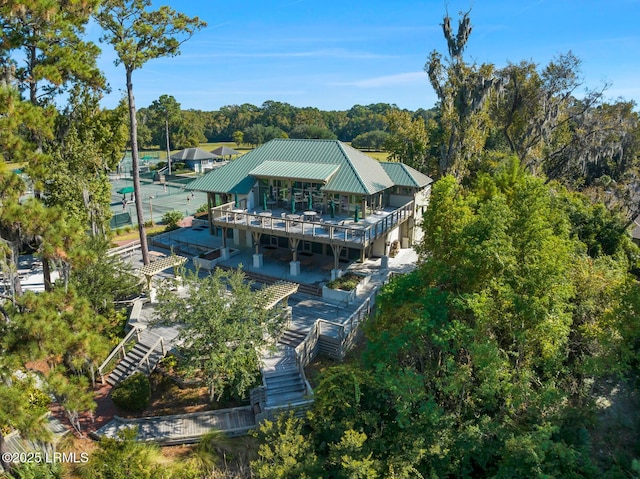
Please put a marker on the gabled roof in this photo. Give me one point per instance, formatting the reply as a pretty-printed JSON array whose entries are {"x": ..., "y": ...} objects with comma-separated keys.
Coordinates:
[
  {"x": 295, "y": 170},
  {"x": 193, "y": 154},
  {"x": 404, "y": 175},
  {"x": 224, "y": 151},
  {"x": 356, "y": 172}
]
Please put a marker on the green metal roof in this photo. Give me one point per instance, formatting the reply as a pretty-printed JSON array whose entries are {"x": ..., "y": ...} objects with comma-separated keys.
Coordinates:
[
  {"x": 404, "y": 175},
  {"x": 294, "y": 170},
  {"x": 356, "y": 172}
]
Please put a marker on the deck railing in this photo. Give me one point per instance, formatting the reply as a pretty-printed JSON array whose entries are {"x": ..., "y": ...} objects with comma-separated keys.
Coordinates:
[
  {"x": 362, "y": 233},
  {"x": 127, "y": 248},
  {"x": 145, "y": 358},
  {"x": 107, "y": 365}
]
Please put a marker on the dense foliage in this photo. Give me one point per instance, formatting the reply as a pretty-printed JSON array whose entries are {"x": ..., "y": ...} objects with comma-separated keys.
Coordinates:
[
  {"x": 483, "y": 361},
  {"x": 223, "y": 326},
  {"x": 133, "y": 394}
]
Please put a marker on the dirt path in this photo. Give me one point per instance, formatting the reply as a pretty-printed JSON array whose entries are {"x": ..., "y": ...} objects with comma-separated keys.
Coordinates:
[{"x": 90, "y": 422}]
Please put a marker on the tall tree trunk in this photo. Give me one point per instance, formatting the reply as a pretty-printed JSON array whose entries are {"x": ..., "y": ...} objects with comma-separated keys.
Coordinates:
[
  {"x": 134, "y": 166},
  {"x": 16, "y": 284},
  {"x": 46, "y": 273},
  {"x": 7, "y": 466}
]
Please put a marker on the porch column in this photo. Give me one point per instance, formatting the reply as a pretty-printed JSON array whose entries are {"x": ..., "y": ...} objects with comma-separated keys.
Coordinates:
[
  {"x": 337, "y": 249},
  {"x": 257, "y": 257},
  {"x": 294, "y": 266},
  {"x": 224, "y": 236},
  {"x": 210, "y": 205}
]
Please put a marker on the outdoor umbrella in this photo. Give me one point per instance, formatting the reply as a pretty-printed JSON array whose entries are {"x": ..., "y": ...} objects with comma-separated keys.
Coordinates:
[
  {"x": 310, "y": 201},
  {"x": 236, "y": 198},
  {"x": 125, "y": 190},
  {"x": 356, "y": 214},
  {"x": 264, "y": 201},
  {"x": 332, "y": 209}
]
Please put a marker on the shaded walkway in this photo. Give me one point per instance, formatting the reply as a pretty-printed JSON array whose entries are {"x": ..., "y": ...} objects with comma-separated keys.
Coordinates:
[{"x": 184, "y": 428}]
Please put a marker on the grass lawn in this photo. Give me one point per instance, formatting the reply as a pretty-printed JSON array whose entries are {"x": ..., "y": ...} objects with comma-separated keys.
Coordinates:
[
  {"x": 133, "y": 233},
  {"x": 378, "y": 155}
]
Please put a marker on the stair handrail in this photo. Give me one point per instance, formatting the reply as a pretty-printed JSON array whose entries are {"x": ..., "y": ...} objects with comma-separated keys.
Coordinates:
[
  {"x": 305, "y": 348},
  {"x": 160, "y": 341},
  {"x": 118, "y": 349}
]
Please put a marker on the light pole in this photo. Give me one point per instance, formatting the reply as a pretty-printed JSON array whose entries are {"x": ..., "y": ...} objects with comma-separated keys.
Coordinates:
[
  {"x": 151, "y": 208},
  {"x": 166, "y": 131}
]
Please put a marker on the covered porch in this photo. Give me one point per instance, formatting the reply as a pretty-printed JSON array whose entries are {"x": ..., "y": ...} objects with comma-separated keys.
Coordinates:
[{"x": 311, "y": 238}]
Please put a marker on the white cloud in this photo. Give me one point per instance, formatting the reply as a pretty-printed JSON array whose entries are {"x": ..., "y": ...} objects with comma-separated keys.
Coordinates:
[
  {"x": 410, "y": 78},
  {"x": 321, "y": 53}
]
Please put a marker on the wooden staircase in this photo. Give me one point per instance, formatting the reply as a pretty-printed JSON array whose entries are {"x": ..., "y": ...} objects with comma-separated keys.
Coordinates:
[
  {"x": 143, "y": 357},
  {"x": 284, "y": 387},
  {"x": 292, "y": 338}
]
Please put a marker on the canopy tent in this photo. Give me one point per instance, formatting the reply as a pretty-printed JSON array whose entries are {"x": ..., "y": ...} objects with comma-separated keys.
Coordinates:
[
  {"x": 225, "y": 151},
  {"x": 125, "y": 190},
  {"x": 193, "y": 154}
]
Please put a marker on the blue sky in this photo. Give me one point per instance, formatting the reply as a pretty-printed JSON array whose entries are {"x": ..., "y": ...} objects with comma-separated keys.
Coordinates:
[{"x": 335, "y": 54}]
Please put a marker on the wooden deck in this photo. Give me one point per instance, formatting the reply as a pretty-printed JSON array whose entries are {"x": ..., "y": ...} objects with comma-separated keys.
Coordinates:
[
  {"x": 184, "y": 428},
  {"x": 322, "y": 229}
]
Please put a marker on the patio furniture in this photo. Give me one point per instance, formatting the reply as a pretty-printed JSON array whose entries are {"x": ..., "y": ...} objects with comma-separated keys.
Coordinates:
[
  {"x": 265, "y": 217},
  {"x": 294, "y": 219},
  {"x": 306, "y": 261},
  {"x": 310, "y": 215},
  {"x": 235, "y": 212}
]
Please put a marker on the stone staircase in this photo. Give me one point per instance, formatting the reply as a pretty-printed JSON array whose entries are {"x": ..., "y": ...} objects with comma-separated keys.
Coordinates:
[{"x": 144, "y": 357}]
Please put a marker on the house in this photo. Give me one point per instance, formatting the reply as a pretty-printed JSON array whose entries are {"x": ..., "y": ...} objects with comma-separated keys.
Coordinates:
[
  {"x": 197, "y": 159},
  {"x": 318, "y": 198}
]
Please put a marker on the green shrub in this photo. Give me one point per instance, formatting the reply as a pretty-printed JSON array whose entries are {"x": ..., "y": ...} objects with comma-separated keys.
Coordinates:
[
  {"x": 203, "y": 208},
  {"x": 171, "y": 219},
  {"x": 346, "y": 282},
  {"x": 133, "y": 394}
]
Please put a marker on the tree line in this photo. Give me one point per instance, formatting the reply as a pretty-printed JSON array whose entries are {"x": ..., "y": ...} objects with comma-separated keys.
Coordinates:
[{"x": 253, "y": 125}]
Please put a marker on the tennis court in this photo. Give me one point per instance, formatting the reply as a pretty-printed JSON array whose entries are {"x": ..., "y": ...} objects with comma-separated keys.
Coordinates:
[{"x": 155, "y": 196}]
